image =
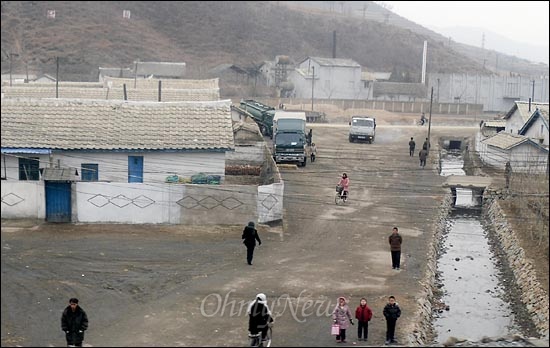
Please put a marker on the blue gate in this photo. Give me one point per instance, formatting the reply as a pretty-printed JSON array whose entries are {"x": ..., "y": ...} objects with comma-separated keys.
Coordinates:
[
  {"x": 58, "y": 201},
  {"x": 135, "y": 168}
]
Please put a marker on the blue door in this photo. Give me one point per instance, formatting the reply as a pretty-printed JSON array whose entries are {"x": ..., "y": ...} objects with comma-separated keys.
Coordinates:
[
  {"x": 58, "y": 201},
  {"x": 135, "y": 168}
]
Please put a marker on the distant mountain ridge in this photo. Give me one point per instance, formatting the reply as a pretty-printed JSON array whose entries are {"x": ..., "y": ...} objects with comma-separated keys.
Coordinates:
[
  {"x": 493, "y": 41},
  {"x": 89, "y": 35}
]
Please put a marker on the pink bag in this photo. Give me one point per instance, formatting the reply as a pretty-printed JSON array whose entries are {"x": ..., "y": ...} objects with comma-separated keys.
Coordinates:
[{"x": 335, "y": 329}]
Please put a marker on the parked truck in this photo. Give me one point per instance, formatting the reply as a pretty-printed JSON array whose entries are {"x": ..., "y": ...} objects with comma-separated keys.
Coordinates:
[
  {"x": 261, "y": 113},
  {"x": 290, "y": 141}
]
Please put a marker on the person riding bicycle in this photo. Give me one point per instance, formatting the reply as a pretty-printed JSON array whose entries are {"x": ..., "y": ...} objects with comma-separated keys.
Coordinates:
[
  {"x": 422, "y": 119},
  {"x": 260, "y": 317},
  {"x": 344, "y": 184}
]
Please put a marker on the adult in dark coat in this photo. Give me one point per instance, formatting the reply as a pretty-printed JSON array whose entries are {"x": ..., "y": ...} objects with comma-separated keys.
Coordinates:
[
  {"x": 74, "y": 322},
  {"x": 412, "y": 145},
  {"x": 395, "y": 247},
  {"x": 423, "y": 154},
  {"x": 250, "y": 236},
  {"x": 259, "y": 316}
]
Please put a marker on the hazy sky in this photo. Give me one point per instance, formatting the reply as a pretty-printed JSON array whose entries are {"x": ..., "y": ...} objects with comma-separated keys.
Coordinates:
[{"x": 525, "y": 21}]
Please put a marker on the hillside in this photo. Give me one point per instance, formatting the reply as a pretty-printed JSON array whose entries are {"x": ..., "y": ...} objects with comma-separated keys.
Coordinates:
[
  {"x": 87, "y": 35},
  {"x": 496, "y": 62}
]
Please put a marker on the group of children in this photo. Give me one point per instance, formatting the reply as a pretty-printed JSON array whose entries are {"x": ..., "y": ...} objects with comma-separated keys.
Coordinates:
[{"x": 342, "y": 317}]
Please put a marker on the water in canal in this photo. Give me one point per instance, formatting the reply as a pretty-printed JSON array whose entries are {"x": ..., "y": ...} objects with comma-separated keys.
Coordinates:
[{"x": 467, "y": 272}]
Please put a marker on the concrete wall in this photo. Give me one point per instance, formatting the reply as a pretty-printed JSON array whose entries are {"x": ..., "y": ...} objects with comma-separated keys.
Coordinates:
[
  {"x": 393, "y": 106},
  {"x": 496, "y": 93},
  {"x": 98, "y": 202},
  {"x": 23, "y": 199}
]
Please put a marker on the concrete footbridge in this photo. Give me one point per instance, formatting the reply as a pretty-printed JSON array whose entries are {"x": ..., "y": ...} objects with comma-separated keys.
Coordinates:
[{"x": 475, "y": 183}]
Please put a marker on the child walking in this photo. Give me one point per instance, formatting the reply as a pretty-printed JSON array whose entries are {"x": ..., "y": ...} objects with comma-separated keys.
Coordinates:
[{"x": 363, "y": 314}]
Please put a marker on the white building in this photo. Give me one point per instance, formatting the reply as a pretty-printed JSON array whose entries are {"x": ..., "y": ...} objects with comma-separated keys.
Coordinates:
[{"x": 333, "y": 78}]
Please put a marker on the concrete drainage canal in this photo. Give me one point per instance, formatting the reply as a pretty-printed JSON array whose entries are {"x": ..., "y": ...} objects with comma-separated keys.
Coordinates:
[{"x": 476, "y": 293}]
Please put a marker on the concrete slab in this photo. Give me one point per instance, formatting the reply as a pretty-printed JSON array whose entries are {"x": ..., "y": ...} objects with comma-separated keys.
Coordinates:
[{"x": 465, "y": 181}]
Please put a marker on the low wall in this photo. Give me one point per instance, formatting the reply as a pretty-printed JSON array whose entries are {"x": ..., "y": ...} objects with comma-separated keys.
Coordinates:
[
  {"x": 23, "y": 200},
  {"x": 388, "y": 105},
  {"x": 533, "y": 294}
]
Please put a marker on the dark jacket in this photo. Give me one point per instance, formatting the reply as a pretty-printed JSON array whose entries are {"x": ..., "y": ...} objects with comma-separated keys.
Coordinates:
[
  {"x": 392, "y": 311},
  {"x": 72, "y": 323},
  {"x": 363, "y": 313},
  {"x": 412, "y": 144},
  {"x": 423, "y": 154},
  {"x": 250, "y": 236},
  {"x": 395, "y": 242},
  {"x": 258, "y": 317}
]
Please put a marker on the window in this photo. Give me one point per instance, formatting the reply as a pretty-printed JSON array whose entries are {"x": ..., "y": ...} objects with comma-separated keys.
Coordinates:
[
  {"x": 89, "y": 172},
  {"x": 29, "y": 168}
]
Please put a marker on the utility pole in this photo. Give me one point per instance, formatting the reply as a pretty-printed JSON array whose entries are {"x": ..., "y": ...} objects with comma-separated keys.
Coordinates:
[
  {"x": 533, "y": 92},
  {"x": 57, "y": 77},
  {"x": 11, "y": 55},
  {"x": 430, "y": 119},
  {"x": 312, "y": 84}
]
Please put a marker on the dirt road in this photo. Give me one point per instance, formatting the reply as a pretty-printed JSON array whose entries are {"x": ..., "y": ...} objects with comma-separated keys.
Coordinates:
[{"x": 184, "y": 286}]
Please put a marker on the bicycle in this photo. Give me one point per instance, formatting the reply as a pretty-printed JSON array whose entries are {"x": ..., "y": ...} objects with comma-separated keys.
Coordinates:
[
  {"x": 340, "y": 198},
  {"x": 256, "y": 339}
]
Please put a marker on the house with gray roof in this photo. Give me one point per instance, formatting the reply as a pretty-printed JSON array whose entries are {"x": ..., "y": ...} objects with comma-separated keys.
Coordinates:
[
  {"x": 536, "y": 126},
  {"x": 108, "y": 136},
  {"x": 520, "y": 113},
  {"x": 524, "y": 154},
  {"x": 111, "y": 161}
]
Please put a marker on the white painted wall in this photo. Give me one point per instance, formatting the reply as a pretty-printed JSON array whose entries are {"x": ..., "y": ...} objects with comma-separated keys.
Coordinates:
[
  {"x": 23, "y": 199},
  {"x": 10, "y": 164},
  {"x": 514, "y": 123},
  {"x": 157, "y": 166},
  {"x": 538, "y": 130},
  {"x": 331, "y": 82},
  {"x": 137, "y": 203}
]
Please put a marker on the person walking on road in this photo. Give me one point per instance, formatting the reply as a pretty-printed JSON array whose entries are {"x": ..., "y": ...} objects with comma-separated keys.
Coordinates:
[
  {"x": 412, "y": 145},
  {"x": 426, "y": 144},
  {"x": 74, "y": 322},
  {"x": 342, "y": 316},
  {"x": 250, "y": 236},
  {"x": 395, "y": 248},
  {"x": 423, "y": 154},
  {"x": 391, "y": 313},
  {"x": 363, "y": 314}
]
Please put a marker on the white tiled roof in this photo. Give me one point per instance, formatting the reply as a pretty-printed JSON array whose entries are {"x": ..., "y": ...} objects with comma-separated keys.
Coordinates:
[
  {"x": 495, "y": 123},
  {"x": 116, "y": 93},
  {"x": 111, "y": 125},
  {"x": 505, "y": 141}
]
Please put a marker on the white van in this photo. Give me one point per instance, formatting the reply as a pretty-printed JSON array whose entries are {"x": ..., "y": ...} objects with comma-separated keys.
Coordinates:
[{"x": 363, "y": 128}]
